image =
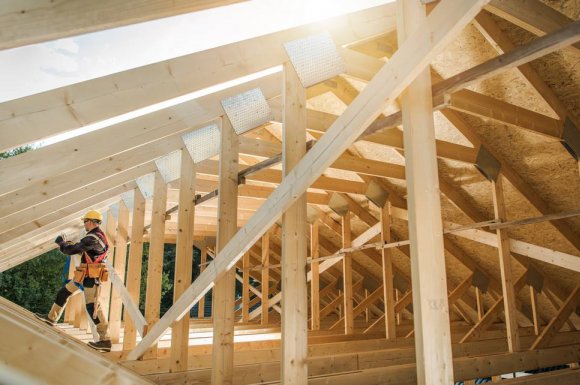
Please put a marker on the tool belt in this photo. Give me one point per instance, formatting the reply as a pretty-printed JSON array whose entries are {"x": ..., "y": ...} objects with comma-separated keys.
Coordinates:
[{"x": 91, "y": 270}]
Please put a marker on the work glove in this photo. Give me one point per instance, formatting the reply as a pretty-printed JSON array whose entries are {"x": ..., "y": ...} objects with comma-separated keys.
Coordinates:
[{"x": 60, "y": 240}]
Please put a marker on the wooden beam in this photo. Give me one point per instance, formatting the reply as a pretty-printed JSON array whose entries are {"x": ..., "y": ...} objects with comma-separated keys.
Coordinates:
[
  {"x": 183, "y": 260},
  {"x": 558, "y": 321},
  {"x": 77, "y": 105},
  {"x": 315, "y": 274},
  {"x": 246, "y": 287},
  {"x": 531, "y": 15},
  {"x": 439, "y": 29},
  {"x": 134, "y": 266},
  {"x": 294, "y": 244},
  {"x": 121, "y": 237},
  {"x": 155, "y": 258},
  {"x": 37, "y": 21},
  {"x": 28, "y": 344},
  {"x": 347, "y": 275},
  {"x": 224, "y": 290},
  {"x": 265, "y": 277},
  {"x": 523, "y": 54},
  {"x": 503, "y": 241},
  {"x": 431, "y": 309},
  {"x": 201, "y": 303},
  {"x": 388, "y": 275},
  {"x": 566, "y": 261}
]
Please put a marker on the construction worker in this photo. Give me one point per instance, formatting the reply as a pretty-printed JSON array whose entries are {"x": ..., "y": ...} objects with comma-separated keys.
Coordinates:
[{"x": 88, "y": 277}]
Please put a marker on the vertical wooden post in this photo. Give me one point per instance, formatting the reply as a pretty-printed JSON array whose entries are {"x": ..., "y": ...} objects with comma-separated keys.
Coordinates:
[
  {"x": 183, "y": 260},
  {"x": 105, "y": 297},
  {"x": 120, "y": 264},
  {"x": 223, "y": 291},
  {"x": 134, "y": 266},
  {"x": 388, "y": 276},
  {"x": 155, "y": 262},
  {"x": 480, "y": 311},
  {"x": 294, "y": 368},
  {"x": 246, "y": 287},
  {"x": 71, "y": 310},
  {"x": 534, "y": 302},
  {"x": 201, "y": 303},
  {"x": 509, "y": 295},
  {"x": 315, "y": 279},
  {"x": 265, "y": 277},
  {"x": 347, "y": 275},
  {"x": 430, "y": 304}
]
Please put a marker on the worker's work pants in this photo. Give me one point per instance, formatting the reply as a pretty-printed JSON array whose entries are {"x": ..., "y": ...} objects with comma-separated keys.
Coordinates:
[{"x": 90, "y": 293}]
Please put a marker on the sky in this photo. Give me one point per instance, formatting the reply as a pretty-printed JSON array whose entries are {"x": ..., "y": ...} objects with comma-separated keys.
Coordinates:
[{"x": 40, "y": 67}]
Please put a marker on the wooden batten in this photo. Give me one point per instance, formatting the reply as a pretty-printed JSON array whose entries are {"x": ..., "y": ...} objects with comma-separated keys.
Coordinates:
[
  {"x": 120, "y": 264},
  {"x": 155, "y": 261},
  {"x": 134, "y": 265},
  {"x": 223, "y": 291},
  {"x": 294, "y": 369},
  {"x": 183, "y": 260},
  {"x": 509, "y": 294},
  {"x": 315, "y": 276},
  {"x": 265, "y": 278},
  {"x": 347, "y": 275}
]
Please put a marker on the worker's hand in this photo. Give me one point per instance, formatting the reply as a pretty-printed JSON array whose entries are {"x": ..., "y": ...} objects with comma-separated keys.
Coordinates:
[{"x": 59, "y": 240}]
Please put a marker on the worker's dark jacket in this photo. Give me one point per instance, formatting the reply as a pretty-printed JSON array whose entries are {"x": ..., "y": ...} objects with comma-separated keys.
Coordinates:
[{"x": 88, "y": 244}]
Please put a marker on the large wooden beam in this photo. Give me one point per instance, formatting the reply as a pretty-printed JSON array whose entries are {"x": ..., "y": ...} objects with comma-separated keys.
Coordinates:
[
  {"x": 183, "y": 259},
  {"x": 388, "y": 276},
  {"x": 224, "y": 290},
  {"x": 37, "y": 21},
  {"x": 155, "y": 258},
  {"x": 36, "y": 117},
  {"x": 265, "y": 277},
  {"x": 294, "y": 244},
  {"x": 35, "y": 354},
  {"x": 431, "y": 310},
  {"x": 134, "y": 266},
  {"x": 120, "y": 263},
  {"x": 347, "y": 275},
  {"x": 315, "y": 276},
  {"x": 439, "y": 29}
]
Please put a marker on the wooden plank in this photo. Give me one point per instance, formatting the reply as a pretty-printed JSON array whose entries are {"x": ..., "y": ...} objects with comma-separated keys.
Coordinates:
[
  {"x": 534, "y": 305},
  {"x": 265, "y": 277},
  {"x": 431, "y": 309},
  {"x": 120, "y": 264},
  {"x": 39, "y": 21},
  {"x": 91, "y": 147},
  {"x": 315, "y": 274},
  {"x": 294, "y": 369},
  {"x": 183, "y": 260},
  {"x": 66, "y": 108},
  {"x": 224, "y": 290},
  {"x": 440, "y": 28},
  {"x": 388, "y": 275},
  {"x": 531, "y": 15},
  {"x": 155, "y": 257},
  {"x": 558, "y": 321},
  {"x": 201, "y": 303},
  {"x": 246, "y": 287},
  {"x": 543, "y": 254},
  {"x": 30, "y": 343},
  {"x": 347, "y": 275},
  {"x": 503, "y": 241}
]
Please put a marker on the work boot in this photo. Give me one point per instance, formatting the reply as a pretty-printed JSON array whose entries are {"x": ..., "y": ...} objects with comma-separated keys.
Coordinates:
[
  {"x": 101, "y": 346},
  {"x": 44, "y": 318}
]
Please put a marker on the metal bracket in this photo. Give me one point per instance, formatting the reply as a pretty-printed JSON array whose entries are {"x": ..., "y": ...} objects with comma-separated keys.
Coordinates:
[
  {"x": 203, "y": 143},
  {"x": 480, "y": 281},
  {"x": 145, "y": 184},
  {"x": 571, "y": 138},
  {"x": 535, "y": 279},
  {"x": 487, "y": 164},
  {"x": 169, "y": 166},
  {"x": 247, "y": 110},
  {"x": 338, "y": 204},
  {"x": 376, "y": 194}
]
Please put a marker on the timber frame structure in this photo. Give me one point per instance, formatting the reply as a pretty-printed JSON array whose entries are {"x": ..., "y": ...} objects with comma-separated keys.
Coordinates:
[{"x": 403, "y": 212}]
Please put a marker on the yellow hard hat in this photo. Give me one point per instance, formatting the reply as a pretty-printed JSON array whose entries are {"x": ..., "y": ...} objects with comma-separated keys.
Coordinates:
[{"x": 94, "y": 215}]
